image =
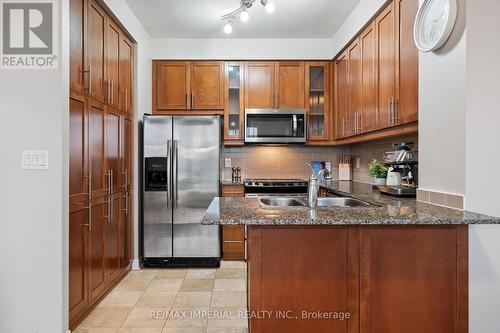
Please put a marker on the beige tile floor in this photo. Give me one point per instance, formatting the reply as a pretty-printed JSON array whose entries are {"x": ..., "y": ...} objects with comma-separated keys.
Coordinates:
[{"x": 174, "y": 301}]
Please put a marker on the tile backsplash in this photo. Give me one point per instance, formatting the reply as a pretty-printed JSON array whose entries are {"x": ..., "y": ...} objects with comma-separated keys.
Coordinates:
[{"x": 281, "y": 162}]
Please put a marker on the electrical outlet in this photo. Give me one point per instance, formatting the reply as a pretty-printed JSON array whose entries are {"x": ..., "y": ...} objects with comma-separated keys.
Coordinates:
[{"x": 227, "y": 163}]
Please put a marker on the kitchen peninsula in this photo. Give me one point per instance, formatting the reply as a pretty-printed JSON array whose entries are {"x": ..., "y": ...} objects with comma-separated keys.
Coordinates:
[{"x": 394, "y": 265}]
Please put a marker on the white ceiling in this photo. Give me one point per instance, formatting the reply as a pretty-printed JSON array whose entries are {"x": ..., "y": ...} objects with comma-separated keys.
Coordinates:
[{"x": 202, "y": 18}]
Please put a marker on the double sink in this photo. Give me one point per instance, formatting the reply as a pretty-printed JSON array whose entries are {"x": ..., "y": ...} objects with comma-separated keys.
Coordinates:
[{"x": 328, "y": 202}]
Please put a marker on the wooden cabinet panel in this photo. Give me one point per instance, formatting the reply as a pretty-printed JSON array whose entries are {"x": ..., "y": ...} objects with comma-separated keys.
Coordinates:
[
  {"x": 259, "y": 85},
  {"x": 112, "y": 144},
  {"x": 289, "y": 90},
  {"x": 97, "y": 250},
  {"x": 406, "y": 108},
  {"x": 207, "y": 85},
  {"x": 96, "y": 148},
  {"x": 78, "y": 290},
  {"x": 172, "y": 85},
  {"x": 323, "y": 277},
  {"x": 96, "y": 29},
  {"x": 113, "y": 238},
  {"x": 78, "y": 172},
  {"x": 413, "y": 279},
  {"x": 76, "y": 45},
  {"x": 233, "y": 236},
  {"x": 341, "y": 95},
  {"x": 125, "y": 75},
  {"x": 385, "y": 25},
  {"x": 369, "y": 79},
  {"x": 354, "y": 104},
  {"x": 112, "y": 51},
  {"x": 127, "y": 173}
]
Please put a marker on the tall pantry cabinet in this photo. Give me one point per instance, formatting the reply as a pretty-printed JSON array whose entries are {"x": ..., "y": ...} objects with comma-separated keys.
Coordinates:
[{"x": 101, "y": 124}]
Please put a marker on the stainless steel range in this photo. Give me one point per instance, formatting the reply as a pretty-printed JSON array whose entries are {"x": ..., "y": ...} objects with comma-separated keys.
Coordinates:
[{"x": 275, "y": 187}]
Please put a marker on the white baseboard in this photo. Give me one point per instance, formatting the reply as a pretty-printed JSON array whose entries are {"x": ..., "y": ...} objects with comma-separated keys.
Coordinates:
[{"x": 136, "y": 265}]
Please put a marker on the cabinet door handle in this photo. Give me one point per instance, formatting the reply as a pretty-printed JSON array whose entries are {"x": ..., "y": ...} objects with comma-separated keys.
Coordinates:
[
  {"x": 343, "y": 126},
  {"x": 395, "y": 118},
  {"x": 89, "y": 207},
  {"x": 126, "y": 203},
  {"x": 126, "y": 99},
  {"x": 192, "y": 100},
  {"x": 389, "y": 117},
  {"x": 111, "y": 93},
  {"x": 274, "y": 100}
]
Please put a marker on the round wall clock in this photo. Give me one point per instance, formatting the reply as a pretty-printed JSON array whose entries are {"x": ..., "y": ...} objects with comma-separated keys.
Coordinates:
[{"x": 434, "y": 24}]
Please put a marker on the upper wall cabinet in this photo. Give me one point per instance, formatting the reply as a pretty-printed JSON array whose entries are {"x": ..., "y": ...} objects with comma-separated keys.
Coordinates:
[
  {"x": 172, "y": 85},
  {"x": 184, "y": 85},
  {"x": 376, "y": 82},
  {"x": 207, "y": 85},
  {"x": 259, "y": 85},
  {"x": 101, "y": 56},
  {"x": 318, "y": 100},
  {"x": 234, "y": 104},
  {"x": 270, "y": 85},
  {"x": 289, "y": 90}
]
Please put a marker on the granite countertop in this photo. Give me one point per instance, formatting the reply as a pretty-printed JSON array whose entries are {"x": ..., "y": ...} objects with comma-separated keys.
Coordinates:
[{"x": 386, "y": 210}]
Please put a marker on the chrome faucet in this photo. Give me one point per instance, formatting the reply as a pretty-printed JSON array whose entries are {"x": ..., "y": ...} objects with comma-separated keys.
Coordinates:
[{"x": 313, "y": 188}]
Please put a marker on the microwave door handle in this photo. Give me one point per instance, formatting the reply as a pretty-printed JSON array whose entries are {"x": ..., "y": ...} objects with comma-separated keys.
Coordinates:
[{"x": 294, "y": 120}]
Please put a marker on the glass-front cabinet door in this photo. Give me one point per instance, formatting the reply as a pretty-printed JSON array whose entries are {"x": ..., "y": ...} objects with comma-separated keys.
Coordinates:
[
  {"x": 234, "y": 105},
  {"x": 317, "y": 101}
]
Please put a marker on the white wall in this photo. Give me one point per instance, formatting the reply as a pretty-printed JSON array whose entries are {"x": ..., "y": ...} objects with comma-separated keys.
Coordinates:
[
  {"x": 142, "y": 98},
  {"x": 34, "y": 204},
  {"x": 442, "y": 114},
  {"x": 482, "y": 159},
  {"x": 365, "y": 10},
  {"x": 241, "y": 49}
]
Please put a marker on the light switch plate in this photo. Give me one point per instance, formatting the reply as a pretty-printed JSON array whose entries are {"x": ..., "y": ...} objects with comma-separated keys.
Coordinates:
[
  {"x": 35, "y": 160},
  {"x": 227, "y": 162}
]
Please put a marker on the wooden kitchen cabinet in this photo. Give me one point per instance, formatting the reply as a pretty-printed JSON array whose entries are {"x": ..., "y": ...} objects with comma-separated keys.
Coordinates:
[
  {"x": 382, "y": 71},
  {"x": 413, "y": 279},
  {"x": 172, "y": 82},
  {"x": 303, "y": 268},
  {"x": 78, "y": 14},
  {"x": 341, "y": 96},
  {"x": 368, "y": 118},
  {"x": 112, "y": 55},
  {"x": 275, "y": 84},
  {"x": 355, "y": 95},
  {"x": 95, "y": 50},
  {"x": 233, "y": 236},
  {"x": 385, "y": 25},
  {"x": 259, "y": 85},
  {"x": 125, "y": 77},
  {"x": 317, "y": 99},
  {"x": 234, "y": 109},
  {"x": 207, "y": 85},
  {"x": 290, "y": 88},
  {"x": 390, "y": 279},
  {"x": 406, "y": 107},
  {"x": 101, "y": 95},
  {"x": 185, "y": 85}
]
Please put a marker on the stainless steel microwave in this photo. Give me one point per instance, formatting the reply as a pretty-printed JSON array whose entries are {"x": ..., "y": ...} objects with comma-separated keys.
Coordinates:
[{"x": 275, "y": 126}]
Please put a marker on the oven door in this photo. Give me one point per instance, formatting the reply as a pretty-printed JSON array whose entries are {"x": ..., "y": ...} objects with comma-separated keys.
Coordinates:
[{"x": 275, "y": 126}]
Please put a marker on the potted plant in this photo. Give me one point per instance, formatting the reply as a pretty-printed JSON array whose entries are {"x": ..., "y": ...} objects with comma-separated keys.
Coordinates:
[{"x": 378, "y": 171}]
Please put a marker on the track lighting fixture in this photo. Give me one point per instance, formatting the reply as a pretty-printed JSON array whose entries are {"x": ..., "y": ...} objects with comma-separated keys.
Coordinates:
[{"x": 243, "y": 13}]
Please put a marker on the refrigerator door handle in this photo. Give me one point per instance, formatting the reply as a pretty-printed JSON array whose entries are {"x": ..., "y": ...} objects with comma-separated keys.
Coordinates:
[
  {"x": 175, "y": 177},
  {"x": 169, "y": 173}
]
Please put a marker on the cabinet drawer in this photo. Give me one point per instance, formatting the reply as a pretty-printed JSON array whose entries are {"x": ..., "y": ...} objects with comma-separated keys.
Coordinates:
[
  {"x": 233, "y": 191},
  {"x": 233, "y": 247},
  {"x": 233, "y": 233}
]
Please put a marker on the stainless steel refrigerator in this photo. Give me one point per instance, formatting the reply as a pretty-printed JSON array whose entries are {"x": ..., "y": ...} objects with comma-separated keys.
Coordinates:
[{"x": 181, "y": 177}]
